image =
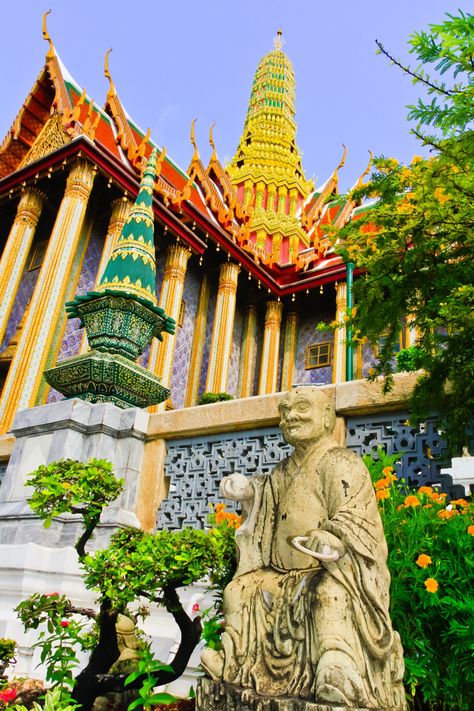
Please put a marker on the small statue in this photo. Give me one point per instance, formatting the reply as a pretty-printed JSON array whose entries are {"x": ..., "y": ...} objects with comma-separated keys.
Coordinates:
[
  {"x": 128, "y": 644},
  {"x": 307, "y": 613}
]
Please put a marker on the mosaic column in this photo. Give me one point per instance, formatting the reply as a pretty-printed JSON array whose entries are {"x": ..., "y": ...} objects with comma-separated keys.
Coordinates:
[
  {"x": 339, "y": 361},
  {"x": 162, "y": 352},
  {"x": 248, "y": 352},
  {"x": 197, "y": 349},
  {"x": 288, "y": 370},
  {"x": 120, "y": 212},
  {"x": 47, "y": 302},
  {"x": 16, "y": 251},
  {"x": 271, "y": 347},
  {"x": 222, "y": 331}
]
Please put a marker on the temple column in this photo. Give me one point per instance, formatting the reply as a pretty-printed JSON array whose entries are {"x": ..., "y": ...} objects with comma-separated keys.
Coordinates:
[
  {"x": 221, "y": 342},
  {"x": 161, "y": 353},
  {"x": 248, "y": 352},
  {"x": 197, "y": 349},
  {"x": 26, "y": 370},
  {"x": 120, "y": 212},
  {"x": 16, "y": 251},
  {"x": 271, "y": 347},
  {"x": 288, "y": 370},
  {"x": 339, "y": 360}
]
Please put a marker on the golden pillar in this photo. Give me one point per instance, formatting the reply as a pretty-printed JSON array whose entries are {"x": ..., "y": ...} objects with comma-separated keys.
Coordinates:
[
  {"x": 223, "y": 327},
  {"x": 270, "y": 350},
  {"x": 120, "y": 211},
  {"x": 171, "y": 295},
  {"x": 339, "y": 361},
  {"x": 288, "y": 370},
  {"x": 47, "y": 302},
  {"x": 16, "y": 251},
  {"x": 248, "y": 352},
  {"x": 197, "y": 349}
]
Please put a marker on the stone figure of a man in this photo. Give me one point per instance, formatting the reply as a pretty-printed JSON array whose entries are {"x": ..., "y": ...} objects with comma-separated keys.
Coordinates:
[{"x": 307, "y": 613}]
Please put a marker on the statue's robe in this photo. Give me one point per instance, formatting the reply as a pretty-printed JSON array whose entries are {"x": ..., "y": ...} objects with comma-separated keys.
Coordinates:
[{"x": 284, "y": 609}]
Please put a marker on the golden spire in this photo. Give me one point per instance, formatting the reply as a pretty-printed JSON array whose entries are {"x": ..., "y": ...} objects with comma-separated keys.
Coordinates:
[
  {"x": 51, "y": 52},
  {"x": 278, "y": 41}
]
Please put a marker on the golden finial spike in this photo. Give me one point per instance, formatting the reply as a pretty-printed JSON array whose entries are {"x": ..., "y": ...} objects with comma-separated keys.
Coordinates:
[
  {"x": 278, "y": 41},
  {"x": 211, "y": 141},
  {"x": 343, "y": 159},
  {"x": 111, "y": 91},
  {"x": 366, "y": 171},
  {"x": 193, "y": 140},
  {"x": 50, "y": 53}
]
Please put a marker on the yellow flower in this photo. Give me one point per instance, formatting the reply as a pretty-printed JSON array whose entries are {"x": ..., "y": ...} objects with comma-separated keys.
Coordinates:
[
  {"x": 425, "y": 490},
  {"x": 412, "y": 501},
  {"x": 431, "y": 585},
  {"x": 423, "y": 560},
  {"x": 416, "y": 159},
  {"x": 470, "y": 530},
  {"x": 440, "y": 195},
  {"x": 382, "y": 494},
  {"x": 66, "y": 485}
]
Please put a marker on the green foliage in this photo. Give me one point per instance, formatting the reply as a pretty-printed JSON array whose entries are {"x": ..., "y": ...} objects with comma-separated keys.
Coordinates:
[
  {"x": 212, "y": 628},
  {"x": 431, "y": 562},
  {"x": 415, "y": 243},
  {"x": 53, "y": 700},
  {"x": 148, "y": 667},
  {"x": 410, "y": 359},
  {"x": 209, "y": 398},
  {"x": 69, "y": 486},
  {"x": 7, "y": 650}
]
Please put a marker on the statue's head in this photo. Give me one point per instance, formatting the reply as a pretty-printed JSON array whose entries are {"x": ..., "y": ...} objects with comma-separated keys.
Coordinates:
[
  {"x": 306, "y": 416},
  {"x": 126, "y": 633}
]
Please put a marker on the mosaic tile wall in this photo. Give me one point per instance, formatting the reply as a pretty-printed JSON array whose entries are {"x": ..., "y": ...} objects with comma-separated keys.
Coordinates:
[
  {"x": 23, "y": 296},
  {"x": 196, "y": 465},
  {"x": 184, "y": 337},
  {"x": 367, "y": 359},
  {"x": 309, "y": 335},
  {"x": 233, "y": 379},
  {"x": 207, "y": 343}
]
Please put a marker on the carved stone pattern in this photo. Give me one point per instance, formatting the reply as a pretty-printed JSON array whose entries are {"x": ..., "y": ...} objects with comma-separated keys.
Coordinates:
[
  {"x": 424, "y": 451},
  {"x": 196, "y": 466}
]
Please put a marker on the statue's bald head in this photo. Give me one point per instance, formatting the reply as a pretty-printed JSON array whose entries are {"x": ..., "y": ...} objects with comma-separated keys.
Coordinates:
[{"x": 307, "y": 414}]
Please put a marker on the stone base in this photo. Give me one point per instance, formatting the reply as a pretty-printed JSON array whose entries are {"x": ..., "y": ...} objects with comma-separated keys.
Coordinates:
[{"x": 219, "y": 696}]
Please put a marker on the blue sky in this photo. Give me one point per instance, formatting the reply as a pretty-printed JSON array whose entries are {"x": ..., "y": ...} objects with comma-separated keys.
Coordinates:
[{"x": 172, "y": 62}]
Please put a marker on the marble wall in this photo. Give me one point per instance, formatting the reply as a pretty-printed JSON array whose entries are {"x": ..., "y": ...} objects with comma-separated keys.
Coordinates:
[{"x": 308, "y": 335}]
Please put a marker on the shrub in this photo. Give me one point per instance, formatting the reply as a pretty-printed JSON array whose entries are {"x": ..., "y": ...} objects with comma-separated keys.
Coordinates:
[
  {"x": 209, "y": 398},
  {"x": 431, "y": 562},
  {"x": 410, "y": 359}
]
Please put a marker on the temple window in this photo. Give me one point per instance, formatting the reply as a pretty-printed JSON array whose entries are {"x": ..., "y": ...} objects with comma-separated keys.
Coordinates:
[{"x": 318, "y": 355}]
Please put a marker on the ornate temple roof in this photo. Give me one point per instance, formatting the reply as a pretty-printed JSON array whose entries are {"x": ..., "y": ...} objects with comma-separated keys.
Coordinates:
[{"x": 260, "y": 209}]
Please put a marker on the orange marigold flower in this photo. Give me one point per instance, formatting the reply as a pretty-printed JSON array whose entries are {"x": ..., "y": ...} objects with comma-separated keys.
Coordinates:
[
  {"x": 220, "y": 507},
  {"x": 412, "y": 501},
  {"x": 220, "y": 517},
  {"x": 428, "y": 506},
  {"x": 425, "y": 490},
  {"x": 400, "y": 507},
  {"x": 470, "y": 530},
  {"x": 459, "y": 502},
  {"x": 387, "y": 470},
  {"x": 431, "y": 585},
  {"x": 382, "y": 483},
  {"x": 382, "y": 494},
  {"x": 423, "y": 560},
  {"x": 444, "y": 513}
]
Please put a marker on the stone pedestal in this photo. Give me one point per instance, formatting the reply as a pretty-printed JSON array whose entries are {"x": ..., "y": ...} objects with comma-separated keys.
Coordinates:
[
  {"x": 72, "y": 429},
  {"x": 462, "y": 473},
  {"x": 218, "y": 696}
]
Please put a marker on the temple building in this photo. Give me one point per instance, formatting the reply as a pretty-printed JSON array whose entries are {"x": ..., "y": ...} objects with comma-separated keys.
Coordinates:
[{"x": 243, "y": 265}]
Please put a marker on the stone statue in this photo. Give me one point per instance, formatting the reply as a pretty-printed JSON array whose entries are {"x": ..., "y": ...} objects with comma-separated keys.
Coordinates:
[{"x": 307, "y": 613}]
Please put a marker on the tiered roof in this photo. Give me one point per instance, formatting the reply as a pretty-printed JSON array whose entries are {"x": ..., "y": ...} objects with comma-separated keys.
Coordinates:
[{"x": 279, "y": 240}]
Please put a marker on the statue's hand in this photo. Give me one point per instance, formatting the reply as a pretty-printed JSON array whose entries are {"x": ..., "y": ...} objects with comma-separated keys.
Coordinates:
[
  {"x": 320, "y": 541},
  {"x": 236, "y": 487}
]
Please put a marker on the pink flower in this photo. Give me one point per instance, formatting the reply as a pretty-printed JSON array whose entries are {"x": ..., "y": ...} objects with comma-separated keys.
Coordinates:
[
  {"x": 54, "y": 594},
  {"x": 195, "y": 608},
  {"x": 8, "y": 695},
  {"x": 64, "y": 623}
]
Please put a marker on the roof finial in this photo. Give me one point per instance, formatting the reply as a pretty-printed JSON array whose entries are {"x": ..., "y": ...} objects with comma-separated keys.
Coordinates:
[
  {"x": 193, "y": 140},
  {"x": 50, "y": 53},
  {"x": 343, "y": 159},
  {"x": 366, "y": 171},
  {"x": 211, "y": 141},
  {"x": 107, "y": 73},
  {"x": 278, "y": 41}
]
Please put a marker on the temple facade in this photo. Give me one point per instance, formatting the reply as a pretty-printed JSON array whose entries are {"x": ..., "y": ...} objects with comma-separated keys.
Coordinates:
[{"x": 243, "y": 264}]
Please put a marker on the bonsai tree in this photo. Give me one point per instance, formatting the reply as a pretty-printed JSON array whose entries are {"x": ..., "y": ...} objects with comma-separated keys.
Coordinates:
[{"x": 135, "y": 565}]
